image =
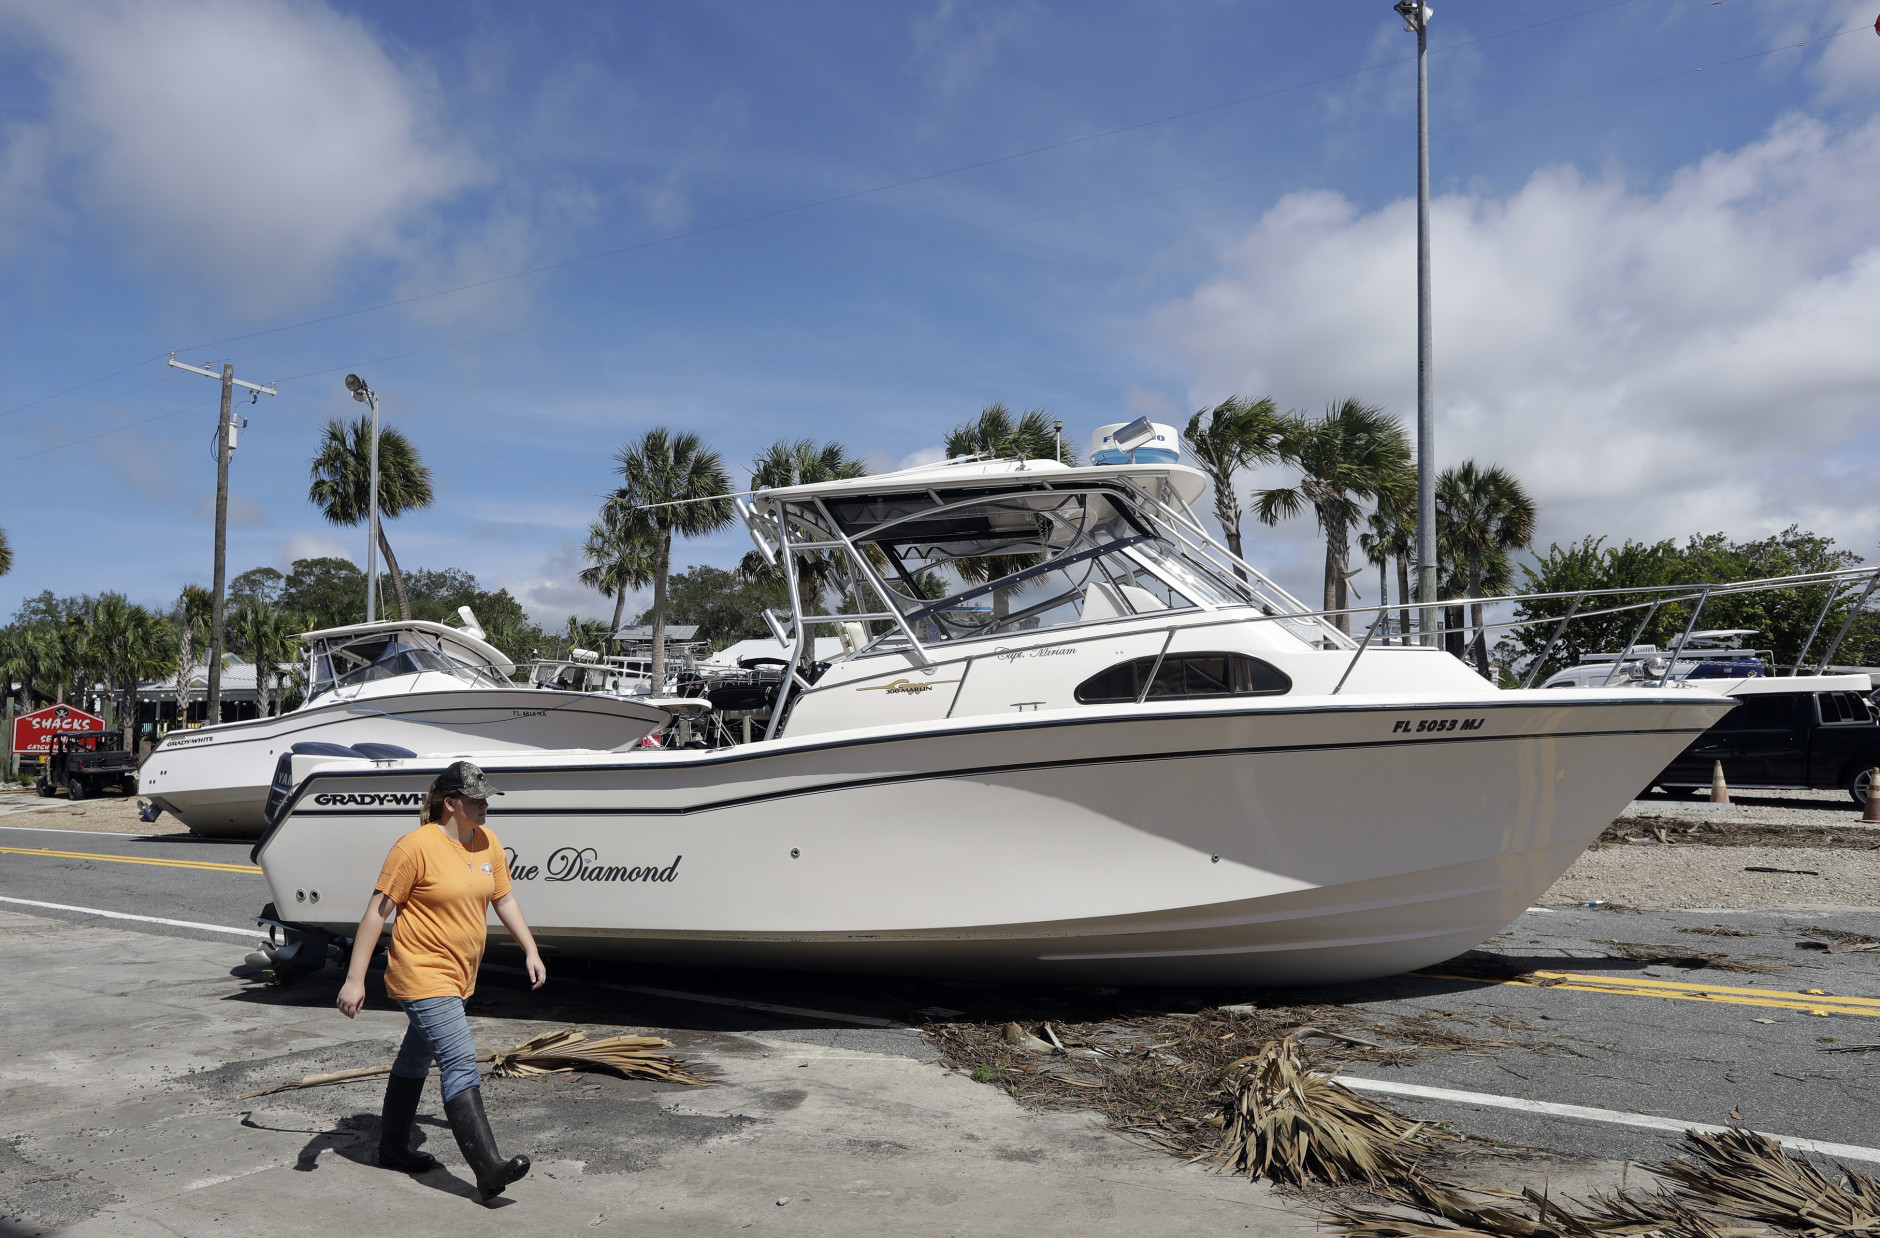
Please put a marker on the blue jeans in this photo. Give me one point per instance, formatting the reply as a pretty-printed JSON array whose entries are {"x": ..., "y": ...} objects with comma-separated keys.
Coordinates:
[{"x": 438, "y": 1030}]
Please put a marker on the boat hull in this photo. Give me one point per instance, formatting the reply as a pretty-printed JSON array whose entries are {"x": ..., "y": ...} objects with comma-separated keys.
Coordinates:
[
  {"x": 215, "y": 780},
  {"x": 1311, "y": 842}
]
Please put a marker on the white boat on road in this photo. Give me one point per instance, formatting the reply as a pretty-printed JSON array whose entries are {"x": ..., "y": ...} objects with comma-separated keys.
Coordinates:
[
  {"x": 1082, "y": 742},
  {"x": 405, "y": 686}
]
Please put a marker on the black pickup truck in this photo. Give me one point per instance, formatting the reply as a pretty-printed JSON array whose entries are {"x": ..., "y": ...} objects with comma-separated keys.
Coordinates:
[
  {"x": 84, "y": 763},
  {"x": 1782, "y": 737}
]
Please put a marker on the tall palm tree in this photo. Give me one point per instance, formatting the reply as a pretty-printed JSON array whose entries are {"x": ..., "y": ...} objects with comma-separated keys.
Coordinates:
[
  {"x": 191, "y": 617},
  {"x": 683, "y": 486},
  {"x": 1393, "y": 536},
  {"x": 619, "y": 551},
  {"x": 800, "y": 462},
  {"x": 264, "y": 634},
  {"x": 342, "y": 485},
  {"x": 996, "y": 433},
  {"x": 1356, "y": 452},
  {"x": 126, "y": 643},
  {"x": 1482, "y": 514},
  {"x": 1236, "y": 434},
  {"x": 6, "y": 554}
]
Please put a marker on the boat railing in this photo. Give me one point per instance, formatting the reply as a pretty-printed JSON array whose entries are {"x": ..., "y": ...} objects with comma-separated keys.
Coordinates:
[{"x": 1849, "y": 588}]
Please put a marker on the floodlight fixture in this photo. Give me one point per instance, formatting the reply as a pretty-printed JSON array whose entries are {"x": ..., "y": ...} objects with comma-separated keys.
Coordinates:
[{"x": 357, "y": 386}]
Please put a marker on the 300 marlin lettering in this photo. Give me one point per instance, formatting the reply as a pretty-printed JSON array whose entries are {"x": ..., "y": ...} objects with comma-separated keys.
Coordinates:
[{"x": 1437, "y": 724}]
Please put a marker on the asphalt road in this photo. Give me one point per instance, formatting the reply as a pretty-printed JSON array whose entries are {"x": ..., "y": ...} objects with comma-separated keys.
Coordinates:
[{"x": 1751, "y": 1055}]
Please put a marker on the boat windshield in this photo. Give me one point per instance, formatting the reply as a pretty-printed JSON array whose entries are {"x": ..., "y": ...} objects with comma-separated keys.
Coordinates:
[
  {"x": 385, "y": 655},
  {"x": 958, "y": 567}
]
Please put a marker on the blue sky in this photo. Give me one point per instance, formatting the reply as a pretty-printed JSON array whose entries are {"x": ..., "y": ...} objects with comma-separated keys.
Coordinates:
[{"x": 539, "y": 230}]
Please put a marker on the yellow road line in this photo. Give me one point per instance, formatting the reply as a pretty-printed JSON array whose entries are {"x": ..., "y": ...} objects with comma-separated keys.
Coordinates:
[
  {"x": 1676, "y": 990},
  {"x": 131, "y": 859}
]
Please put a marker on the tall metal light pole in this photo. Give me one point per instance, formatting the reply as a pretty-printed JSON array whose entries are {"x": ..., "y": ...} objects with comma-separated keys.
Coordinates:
[
  {"x": 225, "y": 439},
  {"x": 366, "y": 395},
  {"x": 1416, "y": 19}
]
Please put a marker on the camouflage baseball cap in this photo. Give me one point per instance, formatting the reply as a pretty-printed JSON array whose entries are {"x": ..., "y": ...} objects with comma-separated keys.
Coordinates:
[{"x": 466, "y": 779}]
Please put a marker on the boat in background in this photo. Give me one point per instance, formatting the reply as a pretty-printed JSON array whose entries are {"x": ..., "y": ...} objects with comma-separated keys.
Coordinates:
[{"x": 408, "y": 686}]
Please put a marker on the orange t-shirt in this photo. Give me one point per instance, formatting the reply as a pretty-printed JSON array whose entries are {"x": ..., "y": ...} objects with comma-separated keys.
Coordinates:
[{"x": 443, "y": 889}]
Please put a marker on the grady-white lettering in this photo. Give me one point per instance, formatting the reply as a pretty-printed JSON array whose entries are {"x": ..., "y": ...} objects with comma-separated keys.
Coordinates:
[
  {"x": 371, "y": 799},
  {"x": 583, "y": 864}
]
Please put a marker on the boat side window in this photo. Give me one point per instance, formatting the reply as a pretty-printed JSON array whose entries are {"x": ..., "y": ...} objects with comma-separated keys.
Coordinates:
[{"x": 1185, "y": 675}]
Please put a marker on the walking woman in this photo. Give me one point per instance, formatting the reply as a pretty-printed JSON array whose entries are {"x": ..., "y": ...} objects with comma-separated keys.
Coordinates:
[{"x": 439, "y": 880}]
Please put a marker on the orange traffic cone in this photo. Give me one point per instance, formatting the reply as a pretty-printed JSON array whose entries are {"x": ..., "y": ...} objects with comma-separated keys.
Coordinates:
[
  {"x": 1719, "y": 790},
  {"x": 1870, "y": 814}
]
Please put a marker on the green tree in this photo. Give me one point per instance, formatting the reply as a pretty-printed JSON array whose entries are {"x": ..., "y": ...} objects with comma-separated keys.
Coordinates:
[
  {"x": 799, "y": 462},
  {"x": 620, "y": 551},
  {"x": 726, "y": 606},
  {"x": 342, "y": 484},
  {"x": 1235, "y": 434},
  {"x": 6, "y": 554},
  {"x": 1356, "y": 452},
  {"x": 127, "y": 643},
  {"x": 264, "y": 634},
  {"x": 1391, "y": 536},
  {"x": 262, "y": 584},
  {"x": 683, "y": 486},
  {"x": 190, "y": 617},
  {"x": 1481, "y": 513},
  {"x": 329, "y": 591},
  {"x": 995, "y": 433}
]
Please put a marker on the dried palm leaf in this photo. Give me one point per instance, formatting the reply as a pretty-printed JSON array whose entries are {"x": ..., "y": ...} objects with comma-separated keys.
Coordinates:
[
  {"x": 1287, "y": 1123},
  {"x": 551, "y": 1053},
  {"x": 1743, "y": 1174}
]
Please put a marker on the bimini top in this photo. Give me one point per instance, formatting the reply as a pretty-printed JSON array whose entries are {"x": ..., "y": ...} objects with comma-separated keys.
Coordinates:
[
  {"x": 1187, "y": 484},
  {"x": 454, "y": 641}
]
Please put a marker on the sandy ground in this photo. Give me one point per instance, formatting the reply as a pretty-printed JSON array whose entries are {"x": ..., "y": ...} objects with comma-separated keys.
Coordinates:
[
  {"x": 1653, "y": 877},
  {"x": 115, "y": 814}
]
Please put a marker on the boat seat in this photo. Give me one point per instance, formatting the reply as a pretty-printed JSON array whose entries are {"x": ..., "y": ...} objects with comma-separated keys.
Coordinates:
[
  {"x": 383, "y": 752},
  {"x": 320, "y": 748}
]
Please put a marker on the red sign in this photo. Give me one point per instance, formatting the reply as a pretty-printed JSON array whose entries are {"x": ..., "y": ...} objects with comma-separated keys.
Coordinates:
[{"x": 33, "y": 732}]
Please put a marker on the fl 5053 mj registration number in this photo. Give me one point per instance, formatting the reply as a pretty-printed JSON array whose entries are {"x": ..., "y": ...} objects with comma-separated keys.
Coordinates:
[{"x": 1413, "y": 726}]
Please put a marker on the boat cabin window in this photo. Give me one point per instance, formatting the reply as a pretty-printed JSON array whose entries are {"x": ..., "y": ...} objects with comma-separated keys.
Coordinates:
[
  {"x": 1185, "y": 675},
  {"x": 383, "y": 656},
  {"x": 959, "y": 568}
]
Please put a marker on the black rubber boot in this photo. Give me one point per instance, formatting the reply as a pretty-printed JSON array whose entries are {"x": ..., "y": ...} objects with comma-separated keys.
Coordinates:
[
  {"x": 401, "y": 1106},
  {"x": 472, "y": 1128}
]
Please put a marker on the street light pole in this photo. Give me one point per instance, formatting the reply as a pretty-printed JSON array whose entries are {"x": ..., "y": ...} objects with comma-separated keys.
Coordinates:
[
  {"x": 1416, "y": 19},
  {"x": 364, "y": 393}
]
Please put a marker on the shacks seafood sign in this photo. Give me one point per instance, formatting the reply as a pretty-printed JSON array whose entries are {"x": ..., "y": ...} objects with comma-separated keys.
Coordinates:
[
  {"x": 583, "y": 864},
  {"x": 33, "y": 732}
]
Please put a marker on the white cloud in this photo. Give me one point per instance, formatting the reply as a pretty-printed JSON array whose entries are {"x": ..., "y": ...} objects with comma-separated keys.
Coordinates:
[
  {"x": 253, "y": 143},
  {"x": 554, "y": 591},
  {"x": 314, "y": 546},
  {"x": 1699, "y": 357}
]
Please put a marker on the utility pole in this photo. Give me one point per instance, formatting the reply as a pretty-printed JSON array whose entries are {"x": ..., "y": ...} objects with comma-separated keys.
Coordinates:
[
  {"x": 1416, "y": 19},
  {"x": 227, "y": 431}
]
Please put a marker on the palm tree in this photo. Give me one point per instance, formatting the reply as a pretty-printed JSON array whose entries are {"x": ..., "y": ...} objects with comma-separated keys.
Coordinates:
[
  {"x": 342, "y": 485},
  {"x": 683, "y": 485},
  {"x": 6, "y": 554},
  {"x": 265, "y": 635},
  {"x": 1357, "y": 451},
  {"x": 1236, "y": 435},
  {"x": 1481, "y": 515},
  {"x": 799, "y": 462},
  {"x": 1393, "y": 535},
  {"x": 620, "y": 549},
  {"x": 191, "y": 617},
  {"x": 994, "y": 433},
  {"x": 126, "y": 643}
]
